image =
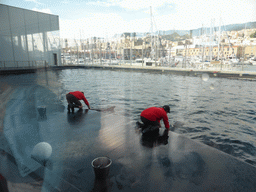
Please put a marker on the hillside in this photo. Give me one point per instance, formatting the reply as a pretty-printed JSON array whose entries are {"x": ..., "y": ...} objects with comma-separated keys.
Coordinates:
[{"x": 175, "y": 35}]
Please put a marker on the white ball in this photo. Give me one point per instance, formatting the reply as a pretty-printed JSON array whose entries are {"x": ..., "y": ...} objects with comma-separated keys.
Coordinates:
[
  {"x": 205, "y": 77},
  {"x": 42, "y": 151}
]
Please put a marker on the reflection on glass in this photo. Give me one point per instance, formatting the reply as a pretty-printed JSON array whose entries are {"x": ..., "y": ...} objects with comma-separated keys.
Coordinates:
[
  {"x": 23, "y": 43},
  {"x": 30, "y": 43},
  {"x": 15, "y": 40}
]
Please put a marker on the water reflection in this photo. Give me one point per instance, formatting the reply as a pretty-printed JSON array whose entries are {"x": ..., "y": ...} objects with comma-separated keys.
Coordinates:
[
  {"x": 77, "y": 117},
  {"x": 191, "y": 167},
  {"x": 154, "y": 139}
]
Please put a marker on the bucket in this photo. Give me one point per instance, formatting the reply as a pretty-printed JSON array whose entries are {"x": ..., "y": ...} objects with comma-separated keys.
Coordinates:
[
  {"x": 42, "y": 111},
  {"x": 101, "y": 167}
]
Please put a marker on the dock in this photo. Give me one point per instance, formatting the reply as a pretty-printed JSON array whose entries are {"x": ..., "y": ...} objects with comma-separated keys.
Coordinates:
[{"x": 242, "y": 75}]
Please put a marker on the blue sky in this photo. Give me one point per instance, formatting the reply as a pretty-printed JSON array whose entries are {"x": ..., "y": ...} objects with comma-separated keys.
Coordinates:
[{"x": 85, "y": 18}]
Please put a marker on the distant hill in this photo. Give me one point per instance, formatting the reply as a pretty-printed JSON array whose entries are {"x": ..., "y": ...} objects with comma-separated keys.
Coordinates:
[
  {"x": 175, "y": 36},
  {"x": 231, "y": 27},
  {"x": 182, "y": 34}
]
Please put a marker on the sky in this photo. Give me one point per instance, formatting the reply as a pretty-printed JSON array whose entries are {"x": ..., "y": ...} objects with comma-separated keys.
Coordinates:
[{"x": 104, "y": 18}]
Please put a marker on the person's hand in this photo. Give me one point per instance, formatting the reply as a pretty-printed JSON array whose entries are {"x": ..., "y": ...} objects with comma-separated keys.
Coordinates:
[
  {"x": 89, "y": 107},
  {"x": 81, "y": 106}
]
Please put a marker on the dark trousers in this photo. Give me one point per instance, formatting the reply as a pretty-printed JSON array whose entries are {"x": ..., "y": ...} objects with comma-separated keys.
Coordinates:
[
  {"x": 71, "y": 99},
  {"x": 150, "y": 129},
  {"x": 148, "y": 122}
]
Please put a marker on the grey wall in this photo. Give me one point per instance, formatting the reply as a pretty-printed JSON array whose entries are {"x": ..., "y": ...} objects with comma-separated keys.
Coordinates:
[{"x": 28, "y": 37}]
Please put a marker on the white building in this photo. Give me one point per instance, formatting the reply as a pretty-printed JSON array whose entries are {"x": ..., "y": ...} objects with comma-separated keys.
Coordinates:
[{"x": 28, "y": 38}]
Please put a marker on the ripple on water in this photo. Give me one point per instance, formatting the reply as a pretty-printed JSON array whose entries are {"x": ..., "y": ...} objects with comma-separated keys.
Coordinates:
[
  {"x": 250, "y": 112},
  {"x": 198, "y": 112}
]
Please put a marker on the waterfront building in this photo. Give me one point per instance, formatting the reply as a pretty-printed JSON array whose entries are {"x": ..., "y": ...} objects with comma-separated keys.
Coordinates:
[
  {"x": 224, "y": 52},
  {"x": 231, "y": 44},
  {"x": 250, "y": 51},
  {"x": 28, "y": 38}
]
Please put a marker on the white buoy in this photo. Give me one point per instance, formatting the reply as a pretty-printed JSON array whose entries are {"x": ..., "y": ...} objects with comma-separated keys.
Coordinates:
[
  {"x": 42, "y": 151},
  {"x": 205, "y": 77}
]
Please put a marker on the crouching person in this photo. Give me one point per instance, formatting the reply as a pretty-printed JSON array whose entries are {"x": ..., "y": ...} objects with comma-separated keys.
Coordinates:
[
  {"x": 151, "y": 118},
  {"x": 73, "y": 100}
]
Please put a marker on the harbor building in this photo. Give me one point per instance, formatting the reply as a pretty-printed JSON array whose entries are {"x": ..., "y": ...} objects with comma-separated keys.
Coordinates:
[{"x": 28, "y": 38}]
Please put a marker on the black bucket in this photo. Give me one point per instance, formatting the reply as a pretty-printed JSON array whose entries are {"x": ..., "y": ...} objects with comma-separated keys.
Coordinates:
[
  {"x": 42, "y": 111},
  {"x": 101, "y": 167}
]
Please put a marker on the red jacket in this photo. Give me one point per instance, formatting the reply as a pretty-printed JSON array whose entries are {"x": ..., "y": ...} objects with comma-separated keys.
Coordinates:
[
  {"x": 80, "y": 96},
  {"x": 156, "y": 114}
]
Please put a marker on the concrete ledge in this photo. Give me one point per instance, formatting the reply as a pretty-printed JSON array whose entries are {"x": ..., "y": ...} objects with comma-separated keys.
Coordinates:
[
  {"x": 245, "y": 75},
  {"x": 17, "y": 71}
]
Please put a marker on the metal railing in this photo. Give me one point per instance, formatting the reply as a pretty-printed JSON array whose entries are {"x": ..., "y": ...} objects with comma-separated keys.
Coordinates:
[{"x": 23, "y": 64}]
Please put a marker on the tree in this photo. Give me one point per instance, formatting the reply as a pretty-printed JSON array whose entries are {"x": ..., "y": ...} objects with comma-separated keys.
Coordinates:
[{"x": 253, "y": 35}]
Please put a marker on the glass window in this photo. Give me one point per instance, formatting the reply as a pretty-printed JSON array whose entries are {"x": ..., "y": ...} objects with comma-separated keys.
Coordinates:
[
  {"x": 54, "y": 22},
  {"x": 6, "y": 51},
  {"x": 44, "y": 22},
  {"x": 4, "y": 21},
  {"x": 31, "y": 21}
]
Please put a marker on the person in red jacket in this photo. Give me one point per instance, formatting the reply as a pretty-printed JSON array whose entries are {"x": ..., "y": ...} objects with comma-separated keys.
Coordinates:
[
  {"x": 152, "y": 116},
  {"x": 73, "y": 100}
]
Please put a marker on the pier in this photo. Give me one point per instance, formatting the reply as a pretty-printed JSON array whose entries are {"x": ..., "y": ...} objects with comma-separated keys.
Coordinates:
[{"x": 242, "y": 75}]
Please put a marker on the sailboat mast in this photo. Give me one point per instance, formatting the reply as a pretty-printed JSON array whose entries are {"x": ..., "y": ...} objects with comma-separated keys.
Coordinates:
[
  {"x": 151, "y": 28},
  {"x": 219, "y": 41}
]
